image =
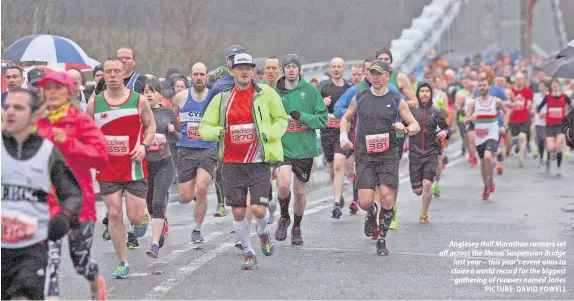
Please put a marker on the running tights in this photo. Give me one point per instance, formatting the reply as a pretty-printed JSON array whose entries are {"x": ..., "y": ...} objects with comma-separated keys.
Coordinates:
[
  {"x": 160, "y": 175},
  {"x": 80, "y": 241}
]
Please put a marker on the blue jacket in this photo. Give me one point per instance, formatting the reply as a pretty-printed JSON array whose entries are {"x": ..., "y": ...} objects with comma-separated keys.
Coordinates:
[
  {"x": 344, "y": 101},
  {"x": 226, "y": 82}
]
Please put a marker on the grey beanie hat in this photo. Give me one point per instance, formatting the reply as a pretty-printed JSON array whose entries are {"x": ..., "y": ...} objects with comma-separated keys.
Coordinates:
[{"x": 291, "y": 59}]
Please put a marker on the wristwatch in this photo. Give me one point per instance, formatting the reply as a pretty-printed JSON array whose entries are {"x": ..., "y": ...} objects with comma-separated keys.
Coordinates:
[{"x": 146, "y": 147}]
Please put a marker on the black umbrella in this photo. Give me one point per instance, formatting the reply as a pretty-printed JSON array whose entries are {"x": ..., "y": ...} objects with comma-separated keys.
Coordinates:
[
  {"x": 560, "y": 68},
  {"x": 566, "y": 52}
]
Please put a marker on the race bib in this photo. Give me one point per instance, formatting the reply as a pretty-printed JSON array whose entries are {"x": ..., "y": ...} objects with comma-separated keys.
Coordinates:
[
  {"x": 519, "y": 103},
  {"x": 193, "y": 131},
  {"x": 295, "y": 126},
  {"x": 158, "y": 143},
  {"x": 118, "y": 145},
  {"x": 17, "y": 226},
  {"x": 243, "y": 134},
  {"x": 481, "y": 133},
  {"x": 555, "y": 113},
  {"x": 377, "y": 143},
  {"x": 333, "y": 122}
]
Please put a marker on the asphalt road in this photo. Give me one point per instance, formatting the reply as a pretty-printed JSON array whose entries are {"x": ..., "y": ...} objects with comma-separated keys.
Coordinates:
[{"x": 339, "y": 262}]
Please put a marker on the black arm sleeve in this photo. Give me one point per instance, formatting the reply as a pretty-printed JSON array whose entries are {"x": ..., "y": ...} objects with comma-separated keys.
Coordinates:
[
  {"x": 542, "y": 104},
  {"x": 68, "y": 191},
  {"x": 441, "y": 122}
]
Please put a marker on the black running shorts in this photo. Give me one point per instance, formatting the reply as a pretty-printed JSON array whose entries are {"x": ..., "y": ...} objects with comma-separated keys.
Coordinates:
[
  {"x": 24, "y": 272},
  {"x": 301, "y": 167},
  {"x": 374, "y": 173},
  {"x": 137, "y": 188},
  {"x": 191, "y": 159},
  {"x": 553, "y": 130},
  {"x": 422, "y": 168},
  {"x": 238, "y": 178},
  {"x": 518, "y": 128},
  {"x": 331, "y": 145},
  {"x": 490, "y": 145}
]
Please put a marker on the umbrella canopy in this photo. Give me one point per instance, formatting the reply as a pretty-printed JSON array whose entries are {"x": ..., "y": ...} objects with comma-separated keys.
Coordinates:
[
  {"x": 560, "y": 68},
  {"x": 567, "y": 52},
  {"x": 50, "y": 49}
]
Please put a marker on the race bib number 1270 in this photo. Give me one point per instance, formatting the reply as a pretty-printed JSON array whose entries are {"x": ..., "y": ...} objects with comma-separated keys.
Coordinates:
[
  {"x": 243, "y": 134},
  {"x": 377, "y": 143},
  {"x": 118, "y": 145}
]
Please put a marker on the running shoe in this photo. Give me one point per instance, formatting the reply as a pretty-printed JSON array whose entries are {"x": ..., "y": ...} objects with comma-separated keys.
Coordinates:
[
  {"x": 106, "y": 235},
  {"x": 141, "y": 229},
  {"x": 535, "y": 153},
  {"x": 499, "y": 168},
  {"x": 376, "y": 234},
  {"x": 395, "y": 221},
  {"x": 370, "y": 222},
  {"x": 153, "y": 251},
  {"x": 423, "y": 218},
  {"x": 101, "y": 295},
  {"x": 132, "y": 241},
  {"x": 558, "y": 172},
  {"x": 196, "y": 237},
  {"x": 336, "y": 211},
  {"x": 436, "y": 190},
  {"x": 220, "y": 211},
  {"x": 382, "y": 247},
  {"x": 282, "y": 226},
  {"x": 491, "y": 187},
  {"x": 486, "y": 193},
  {"x": 353, "y": 207},
  {"x": 238, "y": 244},
  {"x": 166, "y": 227},
  {"x": 122, "y": 271},
  {"x": 267, "y": 246},
  {"x": 250, "y": 262},
  {"x": 473, "y": 162},
  {"x": 296, "y": 238},
  {"x": 161, "y": 240},
  {"x": 520, "y": 163},
  {"x": 352, "y": 179},
  {"x": 272, "y": 209}
]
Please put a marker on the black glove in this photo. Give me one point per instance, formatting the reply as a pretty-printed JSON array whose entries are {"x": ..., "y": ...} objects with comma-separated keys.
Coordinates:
[
  {"x": 295, "y": 115},
  {"x": 58, "y": 227}
]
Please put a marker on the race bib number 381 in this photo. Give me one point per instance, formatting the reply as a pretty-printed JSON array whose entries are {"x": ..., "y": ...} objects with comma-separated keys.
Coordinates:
[
  {"x": 118, "y": 145},
  {"x": 377, "y": 143},
  {"x": 17, "y": 226},
  {"x": 243, "y": 134}
]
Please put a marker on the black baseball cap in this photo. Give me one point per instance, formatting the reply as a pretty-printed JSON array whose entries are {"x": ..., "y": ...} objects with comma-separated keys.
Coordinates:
[
  {"x": 35, "y": 75},
  {"x": 233, "y": 50},
  {"x": 381, "y": 67}
]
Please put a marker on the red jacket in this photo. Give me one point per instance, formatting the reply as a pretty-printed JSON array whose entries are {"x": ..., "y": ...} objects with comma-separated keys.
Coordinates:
[{"x": 85, "y": 148}]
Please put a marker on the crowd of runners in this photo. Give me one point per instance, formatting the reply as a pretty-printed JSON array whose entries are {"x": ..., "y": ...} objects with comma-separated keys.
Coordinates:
[{"x": 254, "y": 127}]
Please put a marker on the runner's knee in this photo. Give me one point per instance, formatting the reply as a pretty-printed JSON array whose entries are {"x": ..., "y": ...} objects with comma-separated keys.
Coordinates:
[
  {"x": 418, "y": 191},
  {"x": 115, "y": 213},
  {"x": 427, "y": 184}
]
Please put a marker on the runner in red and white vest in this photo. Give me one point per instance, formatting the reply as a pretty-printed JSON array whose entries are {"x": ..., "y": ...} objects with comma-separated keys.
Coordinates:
[
  {"x": 123, "y": 116},
  {"x": 520, "y": 117},
  {"x": 555, "y": 103}
]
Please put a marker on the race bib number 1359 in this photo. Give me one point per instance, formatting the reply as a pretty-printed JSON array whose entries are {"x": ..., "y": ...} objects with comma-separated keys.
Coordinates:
[
  {"x": 118, "y": 145},
  {"x": 377, "y": 143}
]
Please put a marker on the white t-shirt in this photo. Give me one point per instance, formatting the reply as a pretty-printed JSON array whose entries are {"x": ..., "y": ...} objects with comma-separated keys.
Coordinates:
[{"x": 538, "y": 98}]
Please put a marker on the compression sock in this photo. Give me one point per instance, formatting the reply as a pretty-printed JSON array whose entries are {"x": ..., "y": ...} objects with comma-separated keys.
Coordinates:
[
  {"x": 284, "y": 205},
  {"x": 262, "y": 222},
  {"x": 297, "y": 221},
  {"x": 242, "y": 229},
  {"x": 558, "y": 159}
]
